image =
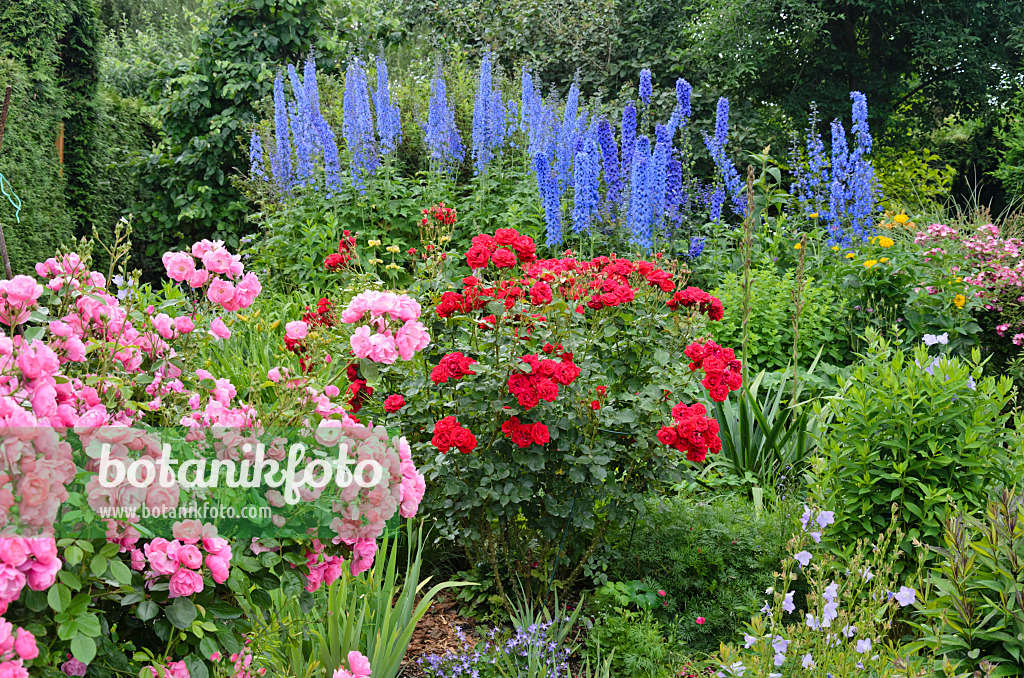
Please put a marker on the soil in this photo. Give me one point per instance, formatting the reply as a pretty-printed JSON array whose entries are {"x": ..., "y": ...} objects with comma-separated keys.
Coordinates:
[{"x": 435, "y": 634}]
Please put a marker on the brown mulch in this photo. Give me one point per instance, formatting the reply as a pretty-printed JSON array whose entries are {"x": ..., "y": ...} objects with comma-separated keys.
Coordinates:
[{"x": 435, "y": 634}]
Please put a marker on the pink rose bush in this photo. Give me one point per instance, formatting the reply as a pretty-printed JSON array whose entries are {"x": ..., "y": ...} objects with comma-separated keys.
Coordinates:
[
  {"x": 379, "y": 340},
  {"x": 17, "y": 646},
  {"x": 358, "y": 667}
]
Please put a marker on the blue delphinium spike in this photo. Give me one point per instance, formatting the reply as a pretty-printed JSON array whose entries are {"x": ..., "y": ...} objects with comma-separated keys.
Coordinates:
[
  {"x": 358, "y": 127},
  {"x": 549, "y": 198},
  {"x": 282, "y": 158},
  {"x": 256, "y": 155},
  {"x": 610, "y": 159},
  {"x": 645, "y": 86},
  {"x": 628, "y": 140}
]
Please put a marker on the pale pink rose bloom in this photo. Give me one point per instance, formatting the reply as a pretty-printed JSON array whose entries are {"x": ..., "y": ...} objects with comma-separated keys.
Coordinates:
[
  {"x": 383, "y": 349},
  {"x": 296, "y": 330},
  {"x": 217, "y": 260},
  {"x": 201, "y": 247},
  {"x": 12, "y": 581},
  {"x": 219, "y": 330},
  {"x": 199, "y": 278},
  {"x": 360, "y": 342},
  {"x": 220, "y": 291},
  {"x": 25, "y": 645},
  {"x": 184, "y": 324},
  {"x": 188, "y": 531},
  {"x": 185, "y": 582},
  {"x": 159, "y": 560},
  {"x": 179, "y": 265},
  {"x": 163, "y": 324},
  {"x": 274, "y": 374},
  {"x": 358, "y": 664},
  {"x": 407, "y": 308},
  {"x": 21, "y": 290},
  {"x": 412, "y": 337}
]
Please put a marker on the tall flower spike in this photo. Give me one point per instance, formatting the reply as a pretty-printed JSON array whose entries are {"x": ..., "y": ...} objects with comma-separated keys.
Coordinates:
[
  {"x": 442, "y": 136},
  {"x": 639, "y": 201},
  {"x": 389, "y": 120},
  {"x": 645, "y": 86},
  {"x": 628, "y": 140},
  {"x": 256, "y": 156},
  {"x": 482, "y": 122},
  {"x": 549, "y": 198},
  {"x": 610, "y": 159},
  {"x": 357, "y": 126},
  {"x": 282, "y": 158},
  {"x": 657, "y": 174},
  {"x": 585, "y": 192},
  {"x": 301, "y": 128}
]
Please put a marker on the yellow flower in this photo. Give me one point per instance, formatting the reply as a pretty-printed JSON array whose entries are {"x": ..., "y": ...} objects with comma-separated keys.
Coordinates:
[
  {"x": 394, "y": 249},
  {"x": 797, "y": 246},
  {"x": 959, "y": 279},
  {"x": 959, "y": 300},
  {"x": 901, "y": 218},
  {"x": 883, "y": 260},
  {"x": 885, "y": 242},
  {"x": 835, "y": 248},
  {"x": 243, "y": 318},
  {"x": 870, "y": 262},
  {"x": 849, "y": 255},
  {"x": 373, "y": 243},
  {"x": 813, "y": 215}
]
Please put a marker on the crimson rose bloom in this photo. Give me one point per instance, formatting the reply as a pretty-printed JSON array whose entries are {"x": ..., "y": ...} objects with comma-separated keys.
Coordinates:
[
  {"x": 539, "y": 433},
  {"x": 540, "y": 294},
  {"x": 503, "y": 258},
  {"x": 393, "y": 403},
  {"x": 477, "y": 257}
]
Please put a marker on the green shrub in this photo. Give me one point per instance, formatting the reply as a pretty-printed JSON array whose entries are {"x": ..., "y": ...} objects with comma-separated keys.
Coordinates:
[
  {"x": 714, "y": 559},
  {"x": 770, "y": 345},
  {"x": 916, "y": 430},
  {"x": 971, "y": 613},
  {"x": 636, "y": 643}
]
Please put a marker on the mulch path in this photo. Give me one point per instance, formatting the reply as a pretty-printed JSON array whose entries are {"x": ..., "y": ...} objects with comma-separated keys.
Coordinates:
[{"x": 435, "y": 634}]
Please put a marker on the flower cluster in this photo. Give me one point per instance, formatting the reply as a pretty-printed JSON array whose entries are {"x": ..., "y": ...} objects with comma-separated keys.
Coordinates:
[
  {"x": 183, "y": 558},
  {"x": 324, "y": 570},
  {"x": 448, "y": 433},
  {"x": 694, "y": 297},
  {"x": 505, "y": 249},
  {"x": 694, "y": 433},
  {"x": 533, "y": 650},
  {"x": 453, "y": 366},
  {"x": 176, "y": 669},
  {"x": 523, "y": 434},
  {"x": 722, "y": 371},
  {"x": 376, "y": 340},
  {"x": 440, "y": 214},
  {"x": 210, "y": 266},
  {"x": 32, "y": 561},
  {"x": 543, "y": 379},
  {"x": 336, "y": 261}
]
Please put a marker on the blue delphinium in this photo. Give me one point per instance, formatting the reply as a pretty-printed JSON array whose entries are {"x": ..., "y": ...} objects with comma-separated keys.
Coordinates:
[
  {"x": 716, "y": 201},
  {"x": 862, "y": 183},
  {"x": 549, "y": 198},
  {"x": 585, "y": 191},
  {"x": 811, "y": 183},
  {"x": 610, "y": 160},
  {"x": 640, "y": 200},
  {"x": 681, "y": 113},
  {"x": 442, "y": 136},
  {"x": 839, "y": 189},
  {"x": 696, "y": 247},
  {"x": 645, "y": 86},
  {"x": 389, "y": 119},
  {"x": 726, "y": 170},
  {"x": 357, "y": 125},
  {"x": 674, "y": 190},
  {"x": 281, "y": 161},
  {"x": 301, "y": 119},
  {"x": 482, "y": 118},
  {"x": 657, "y": 176},
  {"x": 256, "y": 156},
  {"x": 570, "y": 135},
  {"x": 628, "y": 138},
  {"x": 310, "y": 85}
]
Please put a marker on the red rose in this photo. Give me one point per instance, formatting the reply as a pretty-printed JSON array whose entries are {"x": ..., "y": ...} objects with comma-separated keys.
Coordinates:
[
  {"x": 446, "y": 424},
  {"x": 602, "y": 390},
  {"x": 333, "y": 261},
  {"x": 461, "y": 438},
  {"x": 506, "y": 237},
  {"x": 477, "y": 257},
  {"x": 393, "y": 403},
  {"x": 484, "y": 242},
  {"x": 528, "y": 399},
  {"x": 540, "y": 294},
  {"x": 522, "y": 436},
  {"x": 470, "y": 281},
  {"x": 539, "y": 433},
  {"x": 510, "y": 425},
  {"x": 503, "y": 258},
  {"x": 450, "y": 303},
  {"x": 442, "y": 440},
  {"x": 566, "y": 373},
  {"x": 525, "y": 248},
  {"x": 717, "y": 311},
  {"x": 720, "y": 393},
  {"x": 595, "y": 405},
  {"x": 518, "y": 383},
  {"x": 667, "y": 436},
  {"x": 439, "y": 375},
  {"x": 547, "y": 368},
  {"x": 546, "y": 389}
]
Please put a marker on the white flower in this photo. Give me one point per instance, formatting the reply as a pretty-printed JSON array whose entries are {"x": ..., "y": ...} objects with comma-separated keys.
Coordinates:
[{"x": 808, "y": 662}]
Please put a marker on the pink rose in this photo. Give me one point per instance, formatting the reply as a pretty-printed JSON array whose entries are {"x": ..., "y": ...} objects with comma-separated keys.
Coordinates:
[
  {"x": 363, "y": 552},
  {"x": 218, "y": 567},
  {"x": 383, "y": 349},
  {"x": 274, "y": 375},
  {"x": 188, "y": 531},
  {"x": 13, "y": 551},
  {"x": 412, "y": 337},
  {"x": 199, "y": 278},
  {"x": 12, "y": 581},
  {"x": 185, "y": 582},
  {"x": 217, "y": 260},
  {"x": 219, "y": 329},
  {"x": 296, "y": 330},
  {"x": 12, "y": 670},
  {"x": 189, "y": 556},
  {"x": 159, "y": 560},
  {"x": 21, "y": 290},
  {"x": 220, "y": 292},
  {"x": 358, "y": 664},
  {"x": 183, "y": 324},
  {"x": 180, "y": 265},
  {"x": 25, "y": 645},
  {"x": 360, "y": 342}
]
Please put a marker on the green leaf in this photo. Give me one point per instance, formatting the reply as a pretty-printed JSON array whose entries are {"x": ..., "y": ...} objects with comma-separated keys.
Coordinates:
[
  {"x": 146, "y": 610},
  {"x": 83, "y": 648},
  {"x": 181, "y": 613},
  {"x": 58, "y": 597}
]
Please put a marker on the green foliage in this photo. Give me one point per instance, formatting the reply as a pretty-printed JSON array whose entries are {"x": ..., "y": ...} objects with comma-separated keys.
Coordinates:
[
  {"x": 714, "y": 557},
  {"x": 913, "y": 180},
  {"x": 623, "y": 594},
  {"x": 971, "y": 614},
  {"x": 762, "y": 440},
  {"x": 1011, "y": 161},
  {"x": 204, "y": 112},
  {"x": 901, "y": 434},
  {"x": 770, "y": 346},
  {"x": 637, "y": 643},
  {"x": 28, "y": 161}
]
